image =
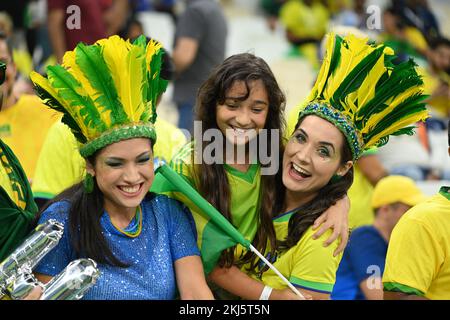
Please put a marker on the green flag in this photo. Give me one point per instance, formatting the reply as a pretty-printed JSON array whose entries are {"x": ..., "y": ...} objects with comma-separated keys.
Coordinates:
[
  {"x": 17, "y": 210},
  {"x": 216, "y": 236}
]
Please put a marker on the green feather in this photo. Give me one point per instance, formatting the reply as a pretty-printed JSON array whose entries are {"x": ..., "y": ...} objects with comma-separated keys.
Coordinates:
[
  {"x": 389, "y": 61},
  {"x": 382, "y": 141},
  {"x": 402, "y": 78},
  {"x": 410, "y": 106},
  {"x": 408, "y": 131},
  {"x": 356, "y": 77},
  {"x": 66, "y": 86},
  {"x": 68, "y": 120},
  {"x": 91, "y": 62},
  {"x": 335, "y": 59},
  {"x": 140, "y": 41},
  {"x": 50, "y": 101},
  {"x": 153, "y": 89}
]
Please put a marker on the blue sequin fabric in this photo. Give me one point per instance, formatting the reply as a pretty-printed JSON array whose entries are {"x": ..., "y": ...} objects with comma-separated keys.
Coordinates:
[{"x": 168, "y": 234}]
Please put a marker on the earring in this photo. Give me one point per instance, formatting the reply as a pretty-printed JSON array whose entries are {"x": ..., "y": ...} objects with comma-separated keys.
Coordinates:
[
  {"x": 88, "y": 183},
  {"x": 335, "y": 178}
]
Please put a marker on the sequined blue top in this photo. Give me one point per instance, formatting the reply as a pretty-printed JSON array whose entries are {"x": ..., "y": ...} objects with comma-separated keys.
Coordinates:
[{"x": 168, "y": 234}]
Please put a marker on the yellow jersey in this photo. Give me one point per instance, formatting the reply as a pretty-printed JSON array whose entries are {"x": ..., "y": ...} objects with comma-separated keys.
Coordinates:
[
  {"x": 418, "y": 257},
  {"x": 307, "y": 265},
  {"x": 24, "y": 126}
]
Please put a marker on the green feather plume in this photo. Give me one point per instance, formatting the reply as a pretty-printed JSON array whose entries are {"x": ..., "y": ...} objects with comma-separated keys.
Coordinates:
[
  {"x": 68, "y": 89},
  {"x": 90, "y": 60}
]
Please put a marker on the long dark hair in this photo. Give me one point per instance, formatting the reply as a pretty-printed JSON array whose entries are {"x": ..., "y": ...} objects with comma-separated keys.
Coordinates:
[
  {"x": 244, "y": 67},
  {"x": 85, "y": 231},
  {"x": 327, "y": 196}
]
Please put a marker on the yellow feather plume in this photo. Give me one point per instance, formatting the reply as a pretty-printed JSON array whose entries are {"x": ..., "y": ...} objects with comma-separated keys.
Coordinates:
[
  {"x": 152, "y": 48},
  {"x": 325, "y": 68},
  {"x": 136, "y": 72},
  {"x": 367, "y": 90},
  {"x": 351, "y": 55},
  {"x": 45, "y": 84},
  {"x": 128, "y": 74},
  {"x": 69, "y": 62},
  {"x": 397, "y": 126},
  {"x": 392, "y": 105}
]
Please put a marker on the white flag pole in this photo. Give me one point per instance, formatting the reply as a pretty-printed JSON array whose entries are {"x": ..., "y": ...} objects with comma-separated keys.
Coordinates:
[{"x": 276, "y": 271}]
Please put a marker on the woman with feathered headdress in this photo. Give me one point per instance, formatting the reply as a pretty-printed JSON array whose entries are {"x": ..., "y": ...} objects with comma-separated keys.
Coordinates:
[
  {"x": 143, "y": 243},
  {"x": 360, "y": 98}
]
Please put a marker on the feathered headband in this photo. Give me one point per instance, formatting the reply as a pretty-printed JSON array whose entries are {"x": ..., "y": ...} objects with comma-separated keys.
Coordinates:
[
  {"x": 364, "y": 94},
  {"x": 107, "y": 91}
]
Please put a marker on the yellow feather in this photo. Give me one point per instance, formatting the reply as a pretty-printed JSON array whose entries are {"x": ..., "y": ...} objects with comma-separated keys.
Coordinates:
[
  {"x": 404, "y": 95},
  {"x": 350, "y": 57},
  {"x": 70, "y": 64},
  {"x": 124, "y": 71},
  {"x": 76, "y": 71},
  {"x": 114, "y": 50},
  {"x": 367, "y": 89},
  {"x": 133, "y": 87},
  {"x": 325, "y": 68},
  {"x": 86, "y": 89},
  {"x": 45, "y": 84},
  {"x": 349, "y": 105},
  {"x": 152, "y": 48},
  {"x": 392, "y": 105},
  {"x": 397, "y": 126}
]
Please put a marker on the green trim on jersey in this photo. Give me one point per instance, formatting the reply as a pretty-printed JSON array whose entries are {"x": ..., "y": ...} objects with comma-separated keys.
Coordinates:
[
  {"x": 285, "y": 217},
  {"x": 397, "y": 287},
  {"x": 43, "y": 195},
  {"x": 248, "y": 176},
  {"x": 312, "y": 285},
  {"x": 308, "y": 264},
  {"x": 445, "y": 191}
]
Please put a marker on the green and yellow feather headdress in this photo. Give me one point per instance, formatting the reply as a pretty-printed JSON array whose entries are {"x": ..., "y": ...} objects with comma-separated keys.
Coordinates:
[
  {"x": 364, "y": 94},
  {"x": 107, "y": 91}
]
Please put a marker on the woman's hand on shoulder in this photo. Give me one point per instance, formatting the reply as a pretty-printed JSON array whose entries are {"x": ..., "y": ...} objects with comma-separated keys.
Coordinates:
[{"x": 335, "y": 218}]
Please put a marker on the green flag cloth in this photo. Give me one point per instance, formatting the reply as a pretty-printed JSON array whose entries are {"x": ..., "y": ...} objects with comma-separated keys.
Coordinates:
[
  {"x": 15, "y": 214},
  {"x": 218, "y": 235}
]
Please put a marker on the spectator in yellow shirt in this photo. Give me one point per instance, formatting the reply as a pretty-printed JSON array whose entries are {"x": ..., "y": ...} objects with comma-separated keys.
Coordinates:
[
  {"x": 306, "y": 23},
  {"x": 418, "y": 256},
  {"x": 17, "y": 208},
  {"x": 24, "y": 121},
  {"x": 437, "y": 79}
]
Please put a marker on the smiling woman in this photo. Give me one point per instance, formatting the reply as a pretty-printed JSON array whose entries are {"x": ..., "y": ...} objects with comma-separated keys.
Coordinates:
[
  {"x": 359, "y": 99},
  {"x": 144, "y": 243},
  {"x": 316, "y": 152},
  {"x": 124, "y": 174},
  {"x": 343, "y": 117}
]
